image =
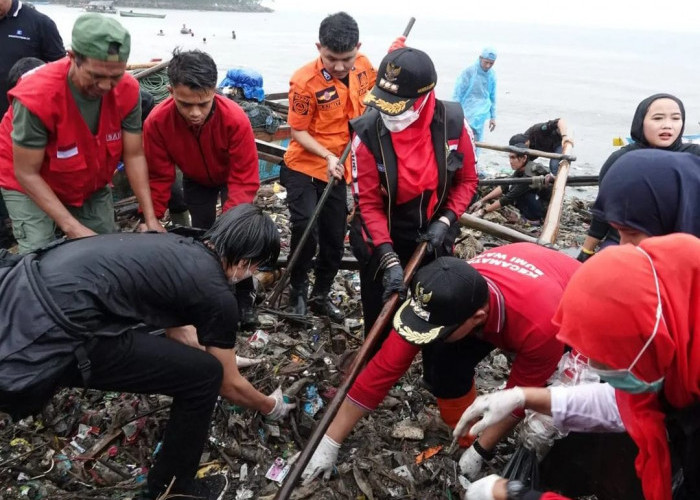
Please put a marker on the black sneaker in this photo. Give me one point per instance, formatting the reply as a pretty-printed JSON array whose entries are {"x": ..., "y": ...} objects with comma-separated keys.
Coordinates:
[
  {"x": 324, "y": 306},
  {"x": 208, "y": 488}
]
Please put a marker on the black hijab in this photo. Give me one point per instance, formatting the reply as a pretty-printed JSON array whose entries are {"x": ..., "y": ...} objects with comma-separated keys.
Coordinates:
[
  {"x": 653, "y": 191},
  {"x": 637, "y": 129}
]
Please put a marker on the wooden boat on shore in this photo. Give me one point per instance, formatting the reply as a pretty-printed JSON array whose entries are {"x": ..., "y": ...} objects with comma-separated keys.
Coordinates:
[{"x": 131, "y": 13}]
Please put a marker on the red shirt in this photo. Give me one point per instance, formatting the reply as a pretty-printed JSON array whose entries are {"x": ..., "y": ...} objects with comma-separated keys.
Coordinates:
[
  {"x": 526, "y": 282},
  {"x": 76, "y": 162},
  {"x": 417, "y": 173},
  {"x": 222, "y": 151}
]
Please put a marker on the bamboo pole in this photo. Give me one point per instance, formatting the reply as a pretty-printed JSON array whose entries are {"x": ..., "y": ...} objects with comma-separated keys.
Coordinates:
[
  {"x": 153, "y": 69},
  {"x": 494, "y": 229},
  {"x": 527, "y": 151},
  {"x": 550, "y": 228},
  {"x": 579, "y": 180}
]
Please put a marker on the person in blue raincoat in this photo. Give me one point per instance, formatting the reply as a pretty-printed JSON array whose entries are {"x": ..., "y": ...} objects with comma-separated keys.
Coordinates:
[{"x": 475, "y": 90}]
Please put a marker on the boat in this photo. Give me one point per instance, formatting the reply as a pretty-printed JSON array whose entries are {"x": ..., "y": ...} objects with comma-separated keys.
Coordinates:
[
  {"x": 131, "y": 13},
  {"x": 101, "y": 7}
]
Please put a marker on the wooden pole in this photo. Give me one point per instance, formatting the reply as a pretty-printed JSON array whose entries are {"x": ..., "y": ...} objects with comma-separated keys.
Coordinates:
[
  {"x": 527, "y": 151},
  {"x": 494, "y": 229},
  {"x": 550, "y": 228},
  {"x": 383, "y": 319},
  {"x": 579, "y": 180},
  {"x": 153, "y": 69}
]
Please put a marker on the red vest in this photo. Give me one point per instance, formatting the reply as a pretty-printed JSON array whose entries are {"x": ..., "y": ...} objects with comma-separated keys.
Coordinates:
[{"x": 76, "y": 162}]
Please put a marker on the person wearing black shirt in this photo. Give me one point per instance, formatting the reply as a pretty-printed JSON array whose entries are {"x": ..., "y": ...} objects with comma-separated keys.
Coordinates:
[
  {"x": 548, "y": 136},
  {"x": 82, "y": 300},
  {"x": 25, "y": 32},
  {"x": 531, "y": 201}
]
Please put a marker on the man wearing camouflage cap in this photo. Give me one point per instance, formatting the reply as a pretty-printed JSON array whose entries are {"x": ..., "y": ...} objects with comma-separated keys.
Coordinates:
[{"x": 69, "y": 124}]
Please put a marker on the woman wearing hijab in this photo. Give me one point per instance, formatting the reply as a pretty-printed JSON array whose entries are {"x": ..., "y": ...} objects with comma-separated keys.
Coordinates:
[
  {"x": 634, "y": 311},
  {"x": 651, "y": 193},
  {"x": 407, "y": 184},
  {"x": 658, "y": 123}
]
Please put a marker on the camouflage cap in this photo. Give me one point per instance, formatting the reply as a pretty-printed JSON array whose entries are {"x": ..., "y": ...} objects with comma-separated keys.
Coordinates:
[{"x": 94, "y": 34}]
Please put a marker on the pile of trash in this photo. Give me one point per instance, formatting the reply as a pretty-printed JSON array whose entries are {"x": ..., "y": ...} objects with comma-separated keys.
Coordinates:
[{"x": 88, "y": 444}]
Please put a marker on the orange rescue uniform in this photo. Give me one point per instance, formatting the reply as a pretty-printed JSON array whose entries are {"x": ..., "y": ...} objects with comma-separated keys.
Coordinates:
[{"x": 323, "y": 106}]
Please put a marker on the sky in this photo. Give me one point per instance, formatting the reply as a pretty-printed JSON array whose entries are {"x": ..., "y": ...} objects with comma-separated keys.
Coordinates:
[{"x": 679, "y": 15}]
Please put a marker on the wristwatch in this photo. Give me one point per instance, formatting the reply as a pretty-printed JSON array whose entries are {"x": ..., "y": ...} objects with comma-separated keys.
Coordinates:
[{"x": 515, "y": 490}]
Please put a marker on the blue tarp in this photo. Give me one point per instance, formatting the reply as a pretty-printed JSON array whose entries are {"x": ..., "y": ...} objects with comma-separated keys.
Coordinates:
[{"x": 247, "y": 79}]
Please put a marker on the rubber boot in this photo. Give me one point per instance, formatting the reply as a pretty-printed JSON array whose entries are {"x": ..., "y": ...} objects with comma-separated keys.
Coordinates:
[
  {"x": 181, "y": 218},
  {"x": 322, "y": 305},
  {"x": 451, "y": 411},
  {"x": 297, "y": 299}
]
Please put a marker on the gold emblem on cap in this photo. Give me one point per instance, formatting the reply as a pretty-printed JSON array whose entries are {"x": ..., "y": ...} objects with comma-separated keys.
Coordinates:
[
  {"x": 390, "y": 108},
  {"x": 419, "y": 300},
  {"x": 392, "y": 72},
  {"x": 411, "y": 335}
]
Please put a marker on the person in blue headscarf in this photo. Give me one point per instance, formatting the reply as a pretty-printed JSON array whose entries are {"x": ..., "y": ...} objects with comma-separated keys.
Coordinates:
[
  {"x": 651, "y": 193},
  {"x": 475, "y": 90},
  {"x": 658, "y": 123}
]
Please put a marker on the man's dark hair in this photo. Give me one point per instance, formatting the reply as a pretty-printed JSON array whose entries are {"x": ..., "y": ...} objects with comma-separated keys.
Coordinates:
[
  {"x": 20, "y": 68},
  {"x": 194, "y": 69},
  {"x": 245, "y": 232},
  {"x": 339, "y": 33},
  {"x": 518, "y": 139}
]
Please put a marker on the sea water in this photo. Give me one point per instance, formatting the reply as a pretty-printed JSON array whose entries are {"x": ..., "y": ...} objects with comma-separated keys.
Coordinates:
[{"x": 592, "y": 77}]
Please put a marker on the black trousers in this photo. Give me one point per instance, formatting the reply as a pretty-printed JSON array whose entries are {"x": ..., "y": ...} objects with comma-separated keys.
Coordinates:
[
  {"x": 303, "y": 193},
  {"x": 448, "y": 368},
  {"x": 201, "y": 201},
  {"x": 145, "y": 364}
]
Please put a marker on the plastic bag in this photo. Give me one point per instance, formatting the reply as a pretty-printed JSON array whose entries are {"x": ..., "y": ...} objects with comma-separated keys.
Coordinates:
[
  {"x": 523, "y": 466},
  {"x": 537, "y": 431}
]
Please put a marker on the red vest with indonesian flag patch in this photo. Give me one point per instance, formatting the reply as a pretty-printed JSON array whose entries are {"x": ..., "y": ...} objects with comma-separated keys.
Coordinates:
[{"x": 76, "y": 162}]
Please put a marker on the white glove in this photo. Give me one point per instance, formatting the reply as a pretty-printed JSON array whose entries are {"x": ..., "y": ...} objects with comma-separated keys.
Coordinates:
[
  {"x": 492, "y": 408},
  {"x": 483, "y": 488},
  {"x": 470, "y": 463},
  {"x": 323, "y": 461},
  {"x": 282, "y": 408},
  {"x": 242, "y": 362}
]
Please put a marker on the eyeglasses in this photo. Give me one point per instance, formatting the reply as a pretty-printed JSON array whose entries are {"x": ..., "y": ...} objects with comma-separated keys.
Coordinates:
[{"x": 659, "y": 317}]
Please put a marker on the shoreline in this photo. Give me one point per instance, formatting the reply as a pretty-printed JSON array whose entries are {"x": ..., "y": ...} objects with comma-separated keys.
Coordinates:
[{"x": 251, "y": 7}]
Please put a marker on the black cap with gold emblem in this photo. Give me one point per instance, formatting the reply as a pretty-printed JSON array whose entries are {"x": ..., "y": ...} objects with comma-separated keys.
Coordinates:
[
  {"x": 403, "y": 76},
  {"x": 445, "y": 293}
]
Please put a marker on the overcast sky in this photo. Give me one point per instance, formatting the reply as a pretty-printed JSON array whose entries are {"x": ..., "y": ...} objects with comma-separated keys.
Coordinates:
[{"x": 668, "y": 15}]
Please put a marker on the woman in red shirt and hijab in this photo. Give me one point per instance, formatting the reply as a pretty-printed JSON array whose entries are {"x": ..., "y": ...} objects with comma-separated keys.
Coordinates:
[{"x": 634, "y": 311}]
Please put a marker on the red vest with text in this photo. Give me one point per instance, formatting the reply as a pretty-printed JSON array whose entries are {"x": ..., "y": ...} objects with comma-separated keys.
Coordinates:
[{"x": 76, "y": 162}]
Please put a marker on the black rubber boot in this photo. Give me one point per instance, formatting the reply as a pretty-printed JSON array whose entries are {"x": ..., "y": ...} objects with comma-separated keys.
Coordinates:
[
  {"x": 297, "y": 299},
  {"x": 322, "y": 305}
]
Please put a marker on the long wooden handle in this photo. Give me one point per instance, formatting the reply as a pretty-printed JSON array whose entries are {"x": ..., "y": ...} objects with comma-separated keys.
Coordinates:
[
  {"x": 282, "y": 283},
  {"x": 383, "y": 319}
]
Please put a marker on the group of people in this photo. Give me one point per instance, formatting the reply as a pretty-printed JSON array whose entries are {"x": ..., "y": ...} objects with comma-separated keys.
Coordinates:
[{"x": 70, "y": 311}]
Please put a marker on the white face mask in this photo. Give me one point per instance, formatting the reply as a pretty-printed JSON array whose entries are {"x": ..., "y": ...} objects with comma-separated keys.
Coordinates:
[
  {"x": 403, "y": 120},
  {"x": 246, "y": 274}
]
